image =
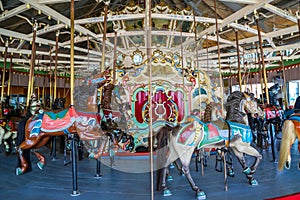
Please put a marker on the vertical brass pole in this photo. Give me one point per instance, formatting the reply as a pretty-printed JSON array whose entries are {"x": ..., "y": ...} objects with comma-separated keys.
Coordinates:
[
  {"x": 115, "y": 57},
  {"x": 219, "y": 60},
  {"x": 51, "y": 88},
  {"x": 32, "y": 64},
  {"x": 65, "y": 79},
  {"x": 104, "y": 37},
  {"x": 285, "y": 97},
  {"x": 264, "y": 73},
  {"x": 238, "y": 58},
  {"x": 148, "y": 28},
  {"x": 181, "y": 52},
  {"x": 72, "y": 13},
  {"x": 9, "y": 77},
  {"x": 260, "y": 73},
  {"x": 55, "y": 69},
  {"x": 4, "y": 69},
  {"x": 198, "y": 77}
]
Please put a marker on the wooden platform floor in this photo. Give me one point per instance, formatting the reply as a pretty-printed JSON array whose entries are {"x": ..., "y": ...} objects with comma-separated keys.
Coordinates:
[{"x": 130, "y": 180}]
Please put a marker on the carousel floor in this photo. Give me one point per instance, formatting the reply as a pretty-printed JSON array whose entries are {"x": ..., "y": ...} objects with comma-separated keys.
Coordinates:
[{"x": 130, "y": 179}]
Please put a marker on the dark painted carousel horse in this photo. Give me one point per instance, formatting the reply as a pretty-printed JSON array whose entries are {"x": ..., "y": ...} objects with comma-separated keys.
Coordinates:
[
  {"x": 42, "y": 125},
  {"x": 290, "y": 132},
  {"x": 194, "y": 133},
  {"x": 273, "y": 121}
]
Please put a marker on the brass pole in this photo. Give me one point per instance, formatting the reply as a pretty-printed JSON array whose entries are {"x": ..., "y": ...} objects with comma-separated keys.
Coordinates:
[
  {"x": 32, "y": 64},
  {"x": 284, "y": 82},
  {"x": 9, "y": 76},
  {"x": 3, "y": 70},
  {"x": 72, "y": 13},
  {"x": 104, "y": 36},
  {"x": 65, "y": 79},
  {"x": 239, "y": 59},
  {"x": 264, "y": 73},
  {"x": 115, "y": 56},
  {"x": 260, "y": 74},
  {"x": 181, "y": 52},
  {"x": 55, "y": 69},
  {"x": 50, "y": 88},
  {"x": 43, "y": 90},
  {"x": 148, "y": 28},
  {"x": 198, "y": 69},
  {"x": 219, "y": 60}
]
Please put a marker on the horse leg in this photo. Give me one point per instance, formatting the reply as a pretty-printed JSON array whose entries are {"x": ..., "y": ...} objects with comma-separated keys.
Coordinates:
[
  {"x": 14, "y": 146},
  {"x": 42, "y": 161},
  {"x": 27, "y": 144},
  {"x": 186, "y": 170},
  {"x": 249, "y": 171},
  {"x": 93, "y": 155},
  {"x": 6, "y": 145}
]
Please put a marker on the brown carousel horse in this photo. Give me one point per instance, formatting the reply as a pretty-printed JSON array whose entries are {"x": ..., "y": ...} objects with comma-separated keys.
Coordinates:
[
  {"x": 194, "y": 133},
  {"x": 42, "y": 125},
  {"x": 290, "y": 132}
]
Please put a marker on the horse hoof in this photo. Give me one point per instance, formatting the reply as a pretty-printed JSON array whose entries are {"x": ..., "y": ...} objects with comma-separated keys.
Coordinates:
[
  {"x": 40, "y": 165},
  {"x": 230, "y": 173},
  {"x": 92, "y": 156},
  {"x": 247, "y": 170},
  {"x": 200, "y": 195},
  {"x": 287, "y": 165},
  {"x": 172, "y": 166},
  {"x": 170, "y": 178},
  {"x": 253, "y": 182},
  {"x": 167, "y": 192},
  {"x": 19, "y": 171}
]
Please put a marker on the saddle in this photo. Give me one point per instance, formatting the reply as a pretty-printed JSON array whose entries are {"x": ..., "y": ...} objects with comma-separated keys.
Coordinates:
[
  {"x": 295, "y": 117},
  {"x": 54, "y": 122}
]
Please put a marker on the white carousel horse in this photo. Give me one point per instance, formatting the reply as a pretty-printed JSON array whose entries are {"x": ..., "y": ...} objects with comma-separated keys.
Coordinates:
[{"x": 194, "y": 133}]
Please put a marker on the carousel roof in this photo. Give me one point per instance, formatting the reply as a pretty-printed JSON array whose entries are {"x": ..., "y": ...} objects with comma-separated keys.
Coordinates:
[{"x": 205, "y": 33}]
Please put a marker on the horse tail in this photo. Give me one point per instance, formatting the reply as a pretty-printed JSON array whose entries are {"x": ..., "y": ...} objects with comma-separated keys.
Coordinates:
[
  {"x": 288, "y": 136},
  {"x": 21, "y": 138},
  {"x": 162, "y": 142}
]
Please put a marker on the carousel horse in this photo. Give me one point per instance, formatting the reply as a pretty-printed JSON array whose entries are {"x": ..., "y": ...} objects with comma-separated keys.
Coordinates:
[
  {"x": 42, "y": 125},
  {"x": 8, "y": 134},
  {"x": 290, "y": 132},
  {"x": 218, "y": 133}
]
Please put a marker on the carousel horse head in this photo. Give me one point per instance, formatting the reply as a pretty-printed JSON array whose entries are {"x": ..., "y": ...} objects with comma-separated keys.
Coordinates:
[
  {"x": 59, "y": 103},
  {"x": 35, "y": 105},
  {"x": 238, "y": 105},
  {"x": 273, "y": 91}
]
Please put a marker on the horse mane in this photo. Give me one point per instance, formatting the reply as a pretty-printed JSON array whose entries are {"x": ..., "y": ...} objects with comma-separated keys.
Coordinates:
[
  {"x": 233, "y": 107},
  {"x": 207, "y": 112}
]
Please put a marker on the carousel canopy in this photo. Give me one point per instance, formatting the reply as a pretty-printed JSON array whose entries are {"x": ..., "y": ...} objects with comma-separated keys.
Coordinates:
[{"x": 220, "y": 35}]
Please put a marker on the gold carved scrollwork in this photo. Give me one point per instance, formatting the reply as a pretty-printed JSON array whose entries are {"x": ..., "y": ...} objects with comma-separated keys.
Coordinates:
[{"x": 137, "y": 57}]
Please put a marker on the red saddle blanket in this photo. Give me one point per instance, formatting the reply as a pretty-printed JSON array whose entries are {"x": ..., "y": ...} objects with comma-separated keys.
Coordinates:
[{"x": 51, "y": 124}]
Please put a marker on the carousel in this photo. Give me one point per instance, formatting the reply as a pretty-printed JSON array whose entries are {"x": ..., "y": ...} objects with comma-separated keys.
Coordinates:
[{"x": 113, "y": 98}]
